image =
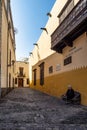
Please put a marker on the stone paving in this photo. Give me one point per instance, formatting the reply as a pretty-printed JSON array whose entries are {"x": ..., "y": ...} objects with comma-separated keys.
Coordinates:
[{"x": 27, "y": 109}]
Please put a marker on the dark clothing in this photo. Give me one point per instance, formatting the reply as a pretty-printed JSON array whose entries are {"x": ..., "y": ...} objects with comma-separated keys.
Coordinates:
[{"x": 70, "y": 94}]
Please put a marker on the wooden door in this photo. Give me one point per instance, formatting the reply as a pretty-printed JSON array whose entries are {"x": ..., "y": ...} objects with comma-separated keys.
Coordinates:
[{"x": 20, "y": 82}]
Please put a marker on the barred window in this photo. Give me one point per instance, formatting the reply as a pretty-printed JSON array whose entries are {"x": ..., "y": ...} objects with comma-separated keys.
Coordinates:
[
  {"x": 15, "y": 80},
  {"x": 34, "y": 71},
  {"x": 9, "y": 79},
  {"x": 10, "y": 57},
  {"x": 68, "y": 60},
  {"x": 27, "y": 80},
  {"x": 41, "y": 73}
]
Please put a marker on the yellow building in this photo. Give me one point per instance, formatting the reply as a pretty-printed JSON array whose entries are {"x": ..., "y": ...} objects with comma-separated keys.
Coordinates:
[
  {"x": 59, "y": 56},
  {"x": 7, "y": 47},
  {"x": 22, "y": 74}
]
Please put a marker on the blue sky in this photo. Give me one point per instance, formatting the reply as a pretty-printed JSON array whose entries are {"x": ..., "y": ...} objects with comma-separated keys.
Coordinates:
[{"x": 28, "y": 17}]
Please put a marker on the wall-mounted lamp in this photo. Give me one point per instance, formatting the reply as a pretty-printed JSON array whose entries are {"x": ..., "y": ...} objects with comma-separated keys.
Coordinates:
[
  {"x": 44, "y": 30},
  {"x": 13, "y": 61},
  {"x": 49, "y": 14}
]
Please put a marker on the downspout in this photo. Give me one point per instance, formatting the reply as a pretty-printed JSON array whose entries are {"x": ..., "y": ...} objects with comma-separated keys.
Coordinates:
[
  {"x": 7, "y": 38},
  {"x": 0, "y": 40}
]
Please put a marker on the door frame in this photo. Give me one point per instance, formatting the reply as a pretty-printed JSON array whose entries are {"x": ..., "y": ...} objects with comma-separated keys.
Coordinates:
[{"x": 20, "y": 82}]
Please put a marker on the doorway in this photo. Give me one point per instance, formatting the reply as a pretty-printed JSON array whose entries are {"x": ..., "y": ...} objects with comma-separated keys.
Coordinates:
[{"x": 20, "y": 82}]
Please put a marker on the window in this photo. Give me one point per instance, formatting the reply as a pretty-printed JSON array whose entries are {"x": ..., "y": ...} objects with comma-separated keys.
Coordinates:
[
  {"x": 34, "y": 76},
  {"x": 10, "y": 57},
  {"x": 15, "y": 80},
  {"x": 41, "y": 73},
  {"x": 13, "y": 68},
  {"x": 66, "y": 10},
  {"x": 27, "y": 80},
  {"x": 9, "y": 80},
  {"x": 13, "y": 83},
  {"x": 68, "y": 60},
  {"x": 21, "y": 71},
  {"x": 50, "y": 69}
]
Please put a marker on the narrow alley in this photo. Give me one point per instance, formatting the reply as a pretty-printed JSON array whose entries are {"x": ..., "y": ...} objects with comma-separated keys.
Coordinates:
[{"x": 27, "y": 109}]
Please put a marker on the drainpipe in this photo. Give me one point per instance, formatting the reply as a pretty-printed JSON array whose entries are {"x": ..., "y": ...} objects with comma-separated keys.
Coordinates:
[
  {"x": 0, "y": 41},
  {"x": 7, "y": 37}
]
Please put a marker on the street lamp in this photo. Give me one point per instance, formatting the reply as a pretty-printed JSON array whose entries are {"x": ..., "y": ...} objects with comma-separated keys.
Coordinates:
[{"x": 13, "y": 61}]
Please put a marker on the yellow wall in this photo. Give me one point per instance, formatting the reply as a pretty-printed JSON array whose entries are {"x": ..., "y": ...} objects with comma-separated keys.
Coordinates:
[
  {"x": 25, "y": 66},
  {"x": 43, "y": 49},
  {"x": 4, "y": 49},
  {"x": 11, "y": 47},
  {"x": 74, "y": 73},
  {"x": 56, "y": 85},
  {"x": 7, "y": 43}
]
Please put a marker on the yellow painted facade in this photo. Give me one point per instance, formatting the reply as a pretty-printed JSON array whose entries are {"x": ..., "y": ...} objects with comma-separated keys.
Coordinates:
[
  {"x": 4, "y": 47},
  {"x": 56, "y": 85},
  {"x": 7, "y": 41},
  {"x": 23, "y": 76},
  {"x": 57, "y": 75}
]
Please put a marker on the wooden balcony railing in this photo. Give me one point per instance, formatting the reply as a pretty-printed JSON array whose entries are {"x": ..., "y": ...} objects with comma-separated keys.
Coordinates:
[{"x": 71, "y": 27}]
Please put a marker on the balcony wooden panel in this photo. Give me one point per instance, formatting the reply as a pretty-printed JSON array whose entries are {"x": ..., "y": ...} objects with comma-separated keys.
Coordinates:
[{"x": 71, "y": 27}]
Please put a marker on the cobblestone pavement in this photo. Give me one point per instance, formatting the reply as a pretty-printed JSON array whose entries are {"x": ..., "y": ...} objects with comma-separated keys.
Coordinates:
[{"x": 27, "y": 109}]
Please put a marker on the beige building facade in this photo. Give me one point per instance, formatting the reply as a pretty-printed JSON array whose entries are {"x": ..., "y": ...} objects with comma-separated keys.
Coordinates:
[
  {"x": 59, "y": 55},
  {"x": 22, "y": 74},
  {"x": 7, "y": 47}
]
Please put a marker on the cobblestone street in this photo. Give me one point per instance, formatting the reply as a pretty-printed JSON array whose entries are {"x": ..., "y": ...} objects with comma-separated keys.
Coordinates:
[{"x": 27, "y": 109}]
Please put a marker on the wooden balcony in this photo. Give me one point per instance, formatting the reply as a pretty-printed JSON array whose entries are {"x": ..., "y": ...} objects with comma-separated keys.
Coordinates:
[{"x": 71, "y": 27}]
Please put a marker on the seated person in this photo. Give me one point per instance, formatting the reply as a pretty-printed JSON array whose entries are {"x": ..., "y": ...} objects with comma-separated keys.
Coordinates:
[
  {"x": 72, "y": 96},
  {"x": 70, "y": 93}
]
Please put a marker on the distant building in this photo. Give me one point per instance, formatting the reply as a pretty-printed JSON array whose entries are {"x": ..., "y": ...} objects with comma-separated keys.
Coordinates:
[
  {"x": 22, "y": 74},
  {"x": 7, "y": 47},
  {"x": 59, "y": 56}
]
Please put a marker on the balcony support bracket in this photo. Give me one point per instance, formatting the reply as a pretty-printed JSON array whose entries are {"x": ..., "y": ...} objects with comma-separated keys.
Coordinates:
[{"x": 68, "y": 42}]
